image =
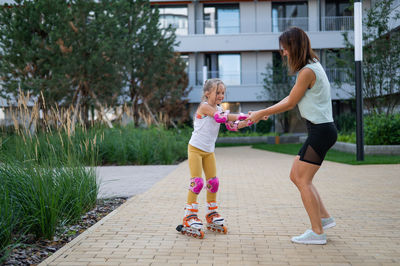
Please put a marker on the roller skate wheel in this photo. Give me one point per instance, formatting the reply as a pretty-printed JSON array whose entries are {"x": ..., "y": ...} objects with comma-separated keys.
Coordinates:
[
  {"x": 209, "y": 227},
  {"x": 225, "y": 229},
  {"x": 179, "y": 228},
  {"x": 201, "y": 235}
]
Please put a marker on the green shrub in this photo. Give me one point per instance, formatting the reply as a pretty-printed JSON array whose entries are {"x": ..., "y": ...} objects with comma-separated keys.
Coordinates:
[
  {"x": 8, "y": 221},
  {"x": 264, "y": 126},
  {"x": 38, "y": 198},
  {"x": 130, "y": 145},
  {"x": 346, "y": 123},
  {"x": 349, "y": 138},
  {"x": 100, "y": 145},
  {"x": 382, "y": 130}
]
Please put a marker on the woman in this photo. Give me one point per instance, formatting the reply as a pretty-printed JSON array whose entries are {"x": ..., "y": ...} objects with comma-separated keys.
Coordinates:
[{"x": 311, "y": 93}]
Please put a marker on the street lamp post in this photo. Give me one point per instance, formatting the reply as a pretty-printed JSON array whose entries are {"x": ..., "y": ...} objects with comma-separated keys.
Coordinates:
[{"x": 358, "y": 77}]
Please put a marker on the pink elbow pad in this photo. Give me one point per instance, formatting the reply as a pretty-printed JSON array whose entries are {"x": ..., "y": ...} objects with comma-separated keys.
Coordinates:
[
  {"x": 242, "y": 116},
  {"x": 221, "y": 117}
]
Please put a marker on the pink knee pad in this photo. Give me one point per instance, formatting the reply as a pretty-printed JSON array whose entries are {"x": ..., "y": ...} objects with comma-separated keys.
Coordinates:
[
  {"x": 196, "y": 185},
  {"x": 221, "y": 117},
  {"x": 213, "y": 184}
]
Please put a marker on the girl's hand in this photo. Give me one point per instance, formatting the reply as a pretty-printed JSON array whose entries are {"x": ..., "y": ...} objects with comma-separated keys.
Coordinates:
[{"x": 242, "y": 124}]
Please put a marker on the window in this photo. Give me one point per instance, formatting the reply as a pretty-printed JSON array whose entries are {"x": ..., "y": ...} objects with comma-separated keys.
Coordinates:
[
  {"x": 337, "y": 8},
  {"x": 224, "y": 66},
  {"x": 185, "y": 59},
  {"x": 285, "y": 15},
  {"x": 338, "y": 15},
  {"x": 176, "y": 16},
  {"x": 221, "y": 19},
  {"x": 234, "y": 107}
]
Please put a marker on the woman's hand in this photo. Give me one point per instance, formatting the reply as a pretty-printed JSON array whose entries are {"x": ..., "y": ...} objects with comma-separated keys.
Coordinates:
[{"x": 256, "y": 116}]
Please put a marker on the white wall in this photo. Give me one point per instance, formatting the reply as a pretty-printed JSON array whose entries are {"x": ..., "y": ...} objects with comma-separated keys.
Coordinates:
[{"x": 2, "y": 2}]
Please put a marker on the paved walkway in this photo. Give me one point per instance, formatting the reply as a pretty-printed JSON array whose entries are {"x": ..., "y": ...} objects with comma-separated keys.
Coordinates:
[
  {"x": 127, "y": 181},
  {"x": 262, "y": 209}
]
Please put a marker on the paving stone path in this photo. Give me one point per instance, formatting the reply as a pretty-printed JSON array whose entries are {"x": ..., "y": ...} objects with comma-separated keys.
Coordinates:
[{"x": 263, "y": 211}]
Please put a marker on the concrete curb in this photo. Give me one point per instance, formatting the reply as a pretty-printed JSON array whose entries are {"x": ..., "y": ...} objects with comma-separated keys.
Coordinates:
[
  {"x": 339, "y": 146},
  {"x": 368, "y": 149}
]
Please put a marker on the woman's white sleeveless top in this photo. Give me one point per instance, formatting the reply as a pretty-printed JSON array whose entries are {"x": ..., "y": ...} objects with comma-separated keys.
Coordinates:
[
  {"x": 316, "y": 104},
  {"x": 205, "y": 132}
]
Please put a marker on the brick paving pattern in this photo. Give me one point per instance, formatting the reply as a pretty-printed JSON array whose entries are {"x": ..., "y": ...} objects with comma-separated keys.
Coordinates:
[{"x": 263, "y": 210}]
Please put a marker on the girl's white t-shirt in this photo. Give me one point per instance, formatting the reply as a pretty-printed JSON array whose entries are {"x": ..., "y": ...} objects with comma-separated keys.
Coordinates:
[{"x": 205, "y": 132}]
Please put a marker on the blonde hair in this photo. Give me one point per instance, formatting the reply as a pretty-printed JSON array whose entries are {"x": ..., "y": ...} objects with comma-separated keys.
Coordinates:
[{"x": 209, "y": 85}]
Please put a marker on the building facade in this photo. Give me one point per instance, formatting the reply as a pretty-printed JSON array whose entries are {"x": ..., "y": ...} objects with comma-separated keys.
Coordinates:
[{"x": 237, "y": 40}]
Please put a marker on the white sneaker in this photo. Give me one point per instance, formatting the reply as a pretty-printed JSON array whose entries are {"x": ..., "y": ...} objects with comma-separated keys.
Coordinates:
[
  {"x": 328, "y": 223},
  {"x": 309, "y": 237}
]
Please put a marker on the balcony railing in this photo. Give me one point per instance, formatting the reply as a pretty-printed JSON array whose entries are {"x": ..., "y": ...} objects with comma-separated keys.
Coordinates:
[
  {"x": 337, "y": 23},
  {"x": 211, "y": 27},
  {"x": 181, "y": 26},
  {"x": 214, "y": 27},
  {"x": 336, "y": 74},
  {"x": 252, "y": 77},
  {"x": 281, "y": 24}
]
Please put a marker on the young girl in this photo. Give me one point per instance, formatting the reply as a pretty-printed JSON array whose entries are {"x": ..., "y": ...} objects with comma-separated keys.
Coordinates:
[
  {"x": 208, "y": 118},
  {"x": 312, "y": 94}
]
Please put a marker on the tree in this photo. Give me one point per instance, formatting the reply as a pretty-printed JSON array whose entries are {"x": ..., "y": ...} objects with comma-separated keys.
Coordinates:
[
  {"x": 154, "y": 73},
  {"x": 381, "y": 59},
  {"x": 278, "y": 84},
  {"x": 92, "y": 39},
  {"x": 89, "y": 53},
  {"x": 66, "y": 51},
  {"x": 170, "y": 97},
  {"x": 29, "y": 49}
]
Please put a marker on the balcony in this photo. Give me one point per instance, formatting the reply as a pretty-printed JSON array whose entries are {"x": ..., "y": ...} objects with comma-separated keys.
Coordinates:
[
  {"x": 281, "y": 24},
  {"x": 337, "y": 23},
  {"x": 180, "y": 25},
  {"x": 239, "y": 78},
  {"x": 211, "y": 27},
  {"x": 336, "y": 74},
  {"x": 215, "y": 27},
  {"x": 228, "y": 77}
]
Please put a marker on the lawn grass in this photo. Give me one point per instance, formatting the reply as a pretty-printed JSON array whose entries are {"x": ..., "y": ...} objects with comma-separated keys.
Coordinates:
[{"x": 332, "y": 155}]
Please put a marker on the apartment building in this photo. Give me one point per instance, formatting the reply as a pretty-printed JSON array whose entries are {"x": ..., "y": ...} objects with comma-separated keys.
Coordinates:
[{"x": 236, "y": 40}]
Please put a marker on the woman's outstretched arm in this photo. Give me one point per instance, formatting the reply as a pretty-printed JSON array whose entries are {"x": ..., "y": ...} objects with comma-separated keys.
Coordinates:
[{"x": 305, "y": 79}]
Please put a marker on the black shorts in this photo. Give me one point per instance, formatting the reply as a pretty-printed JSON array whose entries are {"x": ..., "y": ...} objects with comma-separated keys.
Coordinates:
[{"x": 321, "y": 138}]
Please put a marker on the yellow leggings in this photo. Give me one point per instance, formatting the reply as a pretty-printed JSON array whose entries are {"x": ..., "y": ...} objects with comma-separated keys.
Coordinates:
[{"x": 200, "y": 160}]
